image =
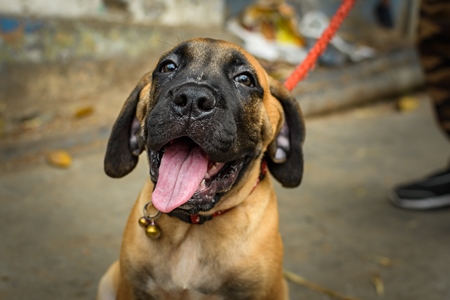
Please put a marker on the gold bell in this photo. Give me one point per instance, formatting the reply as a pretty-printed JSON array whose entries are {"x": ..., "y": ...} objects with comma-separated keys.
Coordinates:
[
  {"x": 153, "y": 231},
  {"x": 143, "y": 222}
]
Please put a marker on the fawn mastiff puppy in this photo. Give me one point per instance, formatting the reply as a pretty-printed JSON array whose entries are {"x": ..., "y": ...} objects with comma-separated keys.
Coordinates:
[{"x": 205, "y": 225}]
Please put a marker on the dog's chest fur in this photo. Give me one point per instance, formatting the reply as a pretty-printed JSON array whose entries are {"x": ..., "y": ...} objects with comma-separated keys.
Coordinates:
[
  {"x": 194, "y": 269},
  {"x": 189, "y": 268}
]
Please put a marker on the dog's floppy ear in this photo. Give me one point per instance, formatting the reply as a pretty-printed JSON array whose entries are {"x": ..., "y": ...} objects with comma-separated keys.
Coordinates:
[
  {"x": 124, "y": 144},
  {"x": 285, "y": 154}
]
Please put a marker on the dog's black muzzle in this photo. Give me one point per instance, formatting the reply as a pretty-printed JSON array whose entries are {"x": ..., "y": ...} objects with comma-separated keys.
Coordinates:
[{"x": 193, "y": 101}]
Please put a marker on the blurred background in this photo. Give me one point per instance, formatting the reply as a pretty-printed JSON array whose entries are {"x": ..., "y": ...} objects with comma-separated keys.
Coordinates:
[
  {"x": 66, "y": 67},
  {"x": 63, "y": 61}
]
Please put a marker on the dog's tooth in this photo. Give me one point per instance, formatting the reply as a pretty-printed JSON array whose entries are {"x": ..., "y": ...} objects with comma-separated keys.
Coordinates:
[
  {"x": 202, "y": 184},
  {"x": 212, "y": 170}
]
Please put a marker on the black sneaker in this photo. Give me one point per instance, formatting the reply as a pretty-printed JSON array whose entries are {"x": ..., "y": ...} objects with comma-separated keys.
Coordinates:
[{"x": 429, "y": 193}]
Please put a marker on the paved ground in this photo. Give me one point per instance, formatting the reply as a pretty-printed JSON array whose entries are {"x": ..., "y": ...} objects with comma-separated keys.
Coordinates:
[{"x": 60, "y": 229}]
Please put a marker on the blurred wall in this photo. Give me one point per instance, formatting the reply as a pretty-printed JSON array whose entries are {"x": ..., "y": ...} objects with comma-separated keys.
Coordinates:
[
  {"x": 57, "y": 55},
  {"x": 162, "y": 12}
]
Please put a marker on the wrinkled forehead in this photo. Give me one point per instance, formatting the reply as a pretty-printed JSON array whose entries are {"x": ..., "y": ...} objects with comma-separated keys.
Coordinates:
[
  {"x": 215, "y": 55},
  {"x": 209, "y": 51}
]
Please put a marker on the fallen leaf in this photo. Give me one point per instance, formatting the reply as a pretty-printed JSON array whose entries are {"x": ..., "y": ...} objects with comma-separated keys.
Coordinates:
[
  {"x": 59, "y": 158},
  {"x": 380, "y": 260},
  {"x": 406, "y": 104},
  {"x": 314, "y": 286},
  {"x": 83, "y": 112},
  {"x": 377, "y": 282}
]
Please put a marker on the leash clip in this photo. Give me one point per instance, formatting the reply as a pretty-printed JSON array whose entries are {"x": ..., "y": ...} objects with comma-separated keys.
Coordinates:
[{"x": 152, "y": 230}]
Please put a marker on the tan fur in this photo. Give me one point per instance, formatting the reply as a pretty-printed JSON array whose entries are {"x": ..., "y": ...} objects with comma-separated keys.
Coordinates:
[{"x": 245, "y": 241}]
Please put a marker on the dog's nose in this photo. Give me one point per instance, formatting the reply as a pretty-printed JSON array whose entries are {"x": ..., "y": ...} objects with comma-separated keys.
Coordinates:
[{"x": 193, "y": 102}]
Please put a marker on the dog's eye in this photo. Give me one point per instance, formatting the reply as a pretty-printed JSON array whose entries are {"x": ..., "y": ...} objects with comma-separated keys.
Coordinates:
[
  {"x": 168, "y": 67},
  {"x": 245, "y": 79}
]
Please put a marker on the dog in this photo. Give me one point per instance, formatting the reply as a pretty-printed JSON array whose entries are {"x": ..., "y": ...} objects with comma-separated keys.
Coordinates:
[{"x": 205, "y": 225}]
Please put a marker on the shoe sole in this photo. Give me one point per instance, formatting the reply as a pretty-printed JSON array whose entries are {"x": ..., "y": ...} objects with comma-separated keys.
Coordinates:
[{"x": 424, "y": 204}]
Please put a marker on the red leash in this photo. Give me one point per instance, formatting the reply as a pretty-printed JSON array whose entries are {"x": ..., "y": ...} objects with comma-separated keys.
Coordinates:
[{"x": 302, "y": 70}]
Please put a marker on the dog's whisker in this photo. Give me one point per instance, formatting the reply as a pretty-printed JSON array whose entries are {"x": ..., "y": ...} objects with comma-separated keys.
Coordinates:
[
  {"x": 180, "y": 37},
  {"x": 166, "y": 43}
]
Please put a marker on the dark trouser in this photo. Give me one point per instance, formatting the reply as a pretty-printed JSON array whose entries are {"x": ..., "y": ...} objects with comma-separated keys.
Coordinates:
[{"x": 434, "y": 50}]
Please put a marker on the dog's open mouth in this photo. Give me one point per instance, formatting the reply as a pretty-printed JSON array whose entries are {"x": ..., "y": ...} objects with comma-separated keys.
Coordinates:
[{"x": 187, "y": 179}]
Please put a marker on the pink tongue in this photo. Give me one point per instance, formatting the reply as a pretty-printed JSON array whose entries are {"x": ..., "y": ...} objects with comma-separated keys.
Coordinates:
[{"x": 182, "y": 169}]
